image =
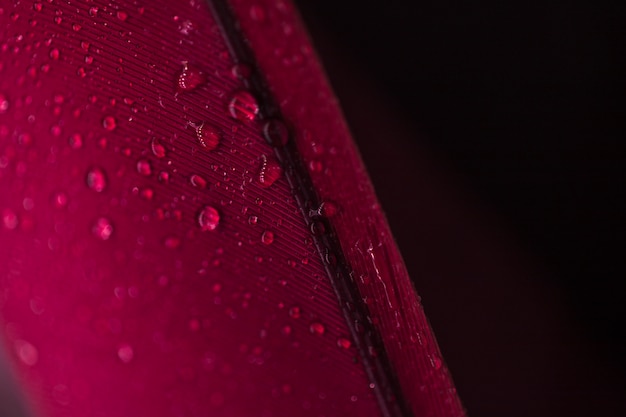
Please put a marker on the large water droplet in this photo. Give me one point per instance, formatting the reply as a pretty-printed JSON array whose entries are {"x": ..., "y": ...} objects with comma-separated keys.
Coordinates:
[
  {"x": 275, "y": 132},
  {"x": 269, "y": 172},
  {"x": 189, "y": 78},
  {"x": 208, "y": 136},
  {"x": 102, "y": 228},
  {"x": 243, "y": 106},
  {"x": 208, "y": 218},
  {"x": 96, "y": 179}
]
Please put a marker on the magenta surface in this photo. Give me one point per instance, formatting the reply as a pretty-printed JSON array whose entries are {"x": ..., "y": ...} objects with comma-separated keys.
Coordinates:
[{"x": 154, "y": 261}]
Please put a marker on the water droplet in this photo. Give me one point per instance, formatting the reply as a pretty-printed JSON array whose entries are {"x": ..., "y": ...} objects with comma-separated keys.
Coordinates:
[
  {"x": 208, "y": 218},
  {"x": 267, "y": 237},
  {"x": 102, "y": 228},
  {"x": 189, "y": 78},
  {"x": 197, "y": 181},
  {"x": 122, "y": 15},
  {"x": 27, "y": 353},
  {"x": 157, "y": 148},
  {"x": 125, "y": 353},
  {"x": 147, "y": 193},
  {"x": 96, "y": 179},
  {"x": 241, "y": 71},
  {"x": 4, "y": 104},
  {"x": 286, "y": 330},
  {"x": 316, "y": 166},
  {"x": 269, "y": 172},
  {"x": 37, "y": 6},
  {"x": 109, "y": 123},
  {"x": 317, "y": 328},
  {"x": 243, "y": 106},
  {"x": 59, "y": 200},
  {"x": 294, "y": 312},
  {"x": 9, "y": 219},
  {"x": 164, "y": 177},
  {"x": 144, "y": 167},
  {"x": 93, "y": 11},
  {"x": 76, "y": 141},
  {"x": 208, "y": 136},
  {"x": 172, "y": 242},
  {"x": 276, "y": 133},
  {"x": 328, "y": 209},
  {"x": 318, "y": 228},
  {"x": 344, "y": 343},
  {"x": 76, "y": 27}
]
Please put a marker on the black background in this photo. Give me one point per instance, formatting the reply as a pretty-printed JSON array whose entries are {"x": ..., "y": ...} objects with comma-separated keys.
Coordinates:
[{"x": 505, "y": 116}]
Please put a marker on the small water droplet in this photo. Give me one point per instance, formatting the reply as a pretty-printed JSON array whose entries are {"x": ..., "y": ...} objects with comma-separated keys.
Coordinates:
[
  {"x": 316, "y": 166},
  {"x": 125, "y": 353},
  {"x": 157, "y": 148},
  {"x": 4, "y": 104},
  {"x": 286, "y": 330},
  {"x": 243, "y": 106},
  {"x": 294, "y": 312},
  {"x": 76, "y": 27},
  {"x": 208, "y": 218},
  {"x": 93, "y": 11},
  {"x": 172, "y": 242},
  {"x": 147, "y": 193},
  {"x": 122, "y": 15},
  {"x": 102, "y": 228},
  {"x": 328, "y": 209},
  {"x": 344, "y": 343},
  {"x": 37, "y": 6},
  {"x": 164, "y": 177},
  {"x": 269, "y": 172},
  {"x": 144, "y": 167},
  {"x": 253, "y": 220},
  {"x": 318, "y": 228},
  {"x": 267, "y": 237},
  {"x": 241, "y": 71},
  {"x": 276, "y": 133},
  {"x": 317, "y": 328},
  {"x": 190, "y": 78},
  {"x": 96, "y": 179},
  {"x": 109, "y": 123},
  {"x": 197, "y": 181},
  {"x": 76, "y": 141},
  {"x": 59, "y": 200},
  {"x": 208, "y": 136}
]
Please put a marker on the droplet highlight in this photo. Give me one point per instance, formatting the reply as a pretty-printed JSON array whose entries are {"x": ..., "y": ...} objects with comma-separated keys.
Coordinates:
[{"x": 269, "y": 172}]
